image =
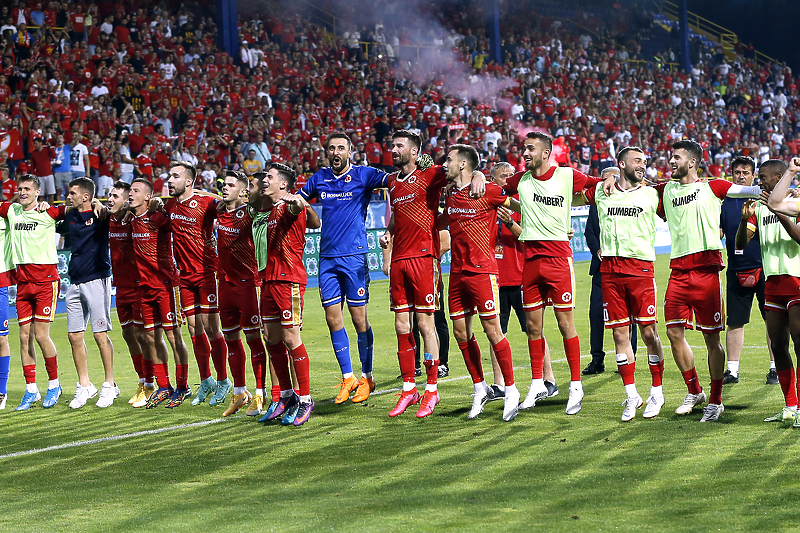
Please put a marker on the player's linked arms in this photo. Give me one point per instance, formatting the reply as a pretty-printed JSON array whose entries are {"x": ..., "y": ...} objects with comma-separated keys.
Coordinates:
[{"x": 610, "y": 176}]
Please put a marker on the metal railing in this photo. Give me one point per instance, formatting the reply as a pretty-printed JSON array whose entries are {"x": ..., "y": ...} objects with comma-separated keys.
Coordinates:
[{"x": 725, "y": 37}]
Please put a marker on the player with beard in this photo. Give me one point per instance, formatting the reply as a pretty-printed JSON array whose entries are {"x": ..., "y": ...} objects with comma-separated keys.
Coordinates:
[
  {"x": 779, "y": 236},
  {"x": 692, "y": 208},
  {"x": 238, "y": 293},
  {"x": 548, "y": 278},
  {"x": 473, "y": 277},
  {"x": 282, "y": 306},
  {"x": 627, "y": 244},
  {"x": 344, "y": 192},
  {"x": 125, "y": 275},
  {"x": 192, "y": 215},
  {"x": 415, "y": 269},
  {"x": 152, "y": 242}
]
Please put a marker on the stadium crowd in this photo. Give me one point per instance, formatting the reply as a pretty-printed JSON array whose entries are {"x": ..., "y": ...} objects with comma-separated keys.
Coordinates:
[{"x": 132, "y": 101}]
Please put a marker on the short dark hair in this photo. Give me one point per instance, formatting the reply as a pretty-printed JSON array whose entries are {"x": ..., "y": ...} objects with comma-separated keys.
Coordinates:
[
  {"x": 693, "y": 147},
  {"x": 540, "y": 136},
  {"x": 412, "y": 137},
  {"x": 259, "y": 174},
  {"x": 285, "y": 172},
  {"x": 744, "y": 160},
  {"x": 781, "y": 165},
  {"x": 144, "y": 182},
  {"x": 239, "y": 175},
  {"x": 340, "y": 135},
  {"x": 625, "y": 151},
  {"x": 190, "y": 168},
  {"x": 84, "y": 184},
  {"x": 30, "y": 178},
  {"x": 467, "y": 153},
  {"x": 124, "y": 185}
]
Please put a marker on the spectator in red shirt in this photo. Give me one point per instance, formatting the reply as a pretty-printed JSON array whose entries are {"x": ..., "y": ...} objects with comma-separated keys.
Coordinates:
[{"x": 41, "y": 158}]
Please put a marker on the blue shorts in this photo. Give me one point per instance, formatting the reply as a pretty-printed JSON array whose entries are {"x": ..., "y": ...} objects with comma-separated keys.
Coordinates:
[
  {"x": 348, "y": 275},
  {"x": 3, "y": 311}
]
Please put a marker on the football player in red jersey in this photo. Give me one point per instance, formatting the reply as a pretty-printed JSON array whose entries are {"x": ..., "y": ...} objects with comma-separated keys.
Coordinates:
[
  {"x": 415, "y": 270},
  {"x": 282, "y": 305},
  {"x": 238, "y": 293},
  {"x": 473, "y": 275},
  {"x": 158, "y": 278},
  {"x": 192, "y": 215}
]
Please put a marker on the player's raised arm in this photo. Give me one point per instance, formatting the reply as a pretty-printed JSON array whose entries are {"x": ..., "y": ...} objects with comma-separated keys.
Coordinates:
[
  {"x": 778, "y": 201},
  {"x": 746, "y": 226}
]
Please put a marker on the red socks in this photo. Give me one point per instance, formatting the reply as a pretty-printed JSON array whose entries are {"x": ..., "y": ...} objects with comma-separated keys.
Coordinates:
[
  {"x": 236, "y": 359},
  {"x": 502, "y": 351},
  {"x": 148, "y": 370},
  {"x": 258, "y": 357},
  {"x": 182, "y": 376},
  {"x": 301, "y": 369},
  {"x": 138, "y": 364},
  {"x": 202, "y": 352},
  {"x": 431, "y": 370},
  {"x": 161, "y": 371},
  {"x": 51, "y": 365},
  {"x": 572, "y": 349},
  {"x": 405, "y": 356},
  {"x": 716, "y": 391},
  {"x": 536, "y": 351},
  {"x": 627, "y": 372},
  {"x": 219, "y": 354},
  {"x": 787, "y": 380},
  {"x": 277, "y": 354},
  {"x": 657, "y": 372},
  {"x": 472, "y": 358},
  {"x": 29, "y": 371},
  {"x": 690, "y": 378}
]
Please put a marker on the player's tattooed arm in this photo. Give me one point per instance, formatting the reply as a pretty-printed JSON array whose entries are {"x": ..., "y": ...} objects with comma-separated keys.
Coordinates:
[
  {"x": 778, "y": 201},
  {"x": 744, "y": 234},
  {"x": 478, "y": 186}
]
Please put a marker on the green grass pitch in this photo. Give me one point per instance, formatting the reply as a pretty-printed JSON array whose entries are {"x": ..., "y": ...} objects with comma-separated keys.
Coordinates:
[{"x": 353, "y": 468}]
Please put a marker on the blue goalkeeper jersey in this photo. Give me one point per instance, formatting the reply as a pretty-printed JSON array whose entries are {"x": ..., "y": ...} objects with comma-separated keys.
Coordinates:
[{"x": 344, "y": 202}]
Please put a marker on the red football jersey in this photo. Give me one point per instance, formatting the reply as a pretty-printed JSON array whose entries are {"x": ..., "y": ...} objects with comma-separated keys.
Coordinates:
[
  {"x": 237, "y": 256},
  {"x": 415, "y": 206},
  {"x": 152, "y": 242},
  {"x": 286, "y": 234},
  {"x": 473, "y": 229},
  {"x": 193, "y": 236},
  {"x": 123, "y": 255}
]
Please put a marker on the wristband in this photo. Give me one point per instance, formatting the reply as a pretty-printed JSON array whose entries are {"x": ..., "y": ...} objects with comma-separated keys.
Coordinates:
[{"x": 509, "y": 224}]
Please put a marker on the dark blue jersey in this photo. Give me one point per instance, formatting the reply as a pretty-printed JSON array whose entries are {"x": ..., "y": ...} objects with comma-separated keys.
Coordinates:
[
  {"x": 88, "y": 235},
  {"x": 344, "y": 202},
  {"x": 746, "y": 259}
]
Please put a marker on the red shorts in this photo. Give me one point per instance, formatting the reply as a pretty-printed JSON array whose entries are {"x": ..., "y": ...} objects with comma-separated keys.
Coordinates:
[
  {"x": 781, "y": 293},
  {"x": 413, "y": 283},
  {"x": 548, "y": 281},
  {"x": 626, "y": 298},
  {"x": 697, "y": 292},
  {"x": 470, "y": 292},
  {"x": 160, "y": 307},
  {"x": 282, "y": 301},
  {"x": 199, "y": 298},
  {"x": 129, "y": 307},
  {"x": 238, "y": 307},
  {"x": 37, "y": 301}
]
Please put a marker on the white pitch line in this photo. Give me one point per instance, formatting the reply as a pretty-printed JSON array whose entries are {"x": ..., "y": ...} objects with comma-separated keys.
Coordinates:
[{"x": 107, "y": 439}]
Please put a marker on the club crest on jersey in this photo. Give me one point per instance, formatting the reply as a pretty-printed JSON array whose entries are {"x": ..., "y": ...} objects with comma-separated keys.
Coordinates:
[
  {"x": 193, "y": 204},
  {"x": 101, "y": 323},
  {"x": 412, "y": 178},
  {"x": 46, "y": 310},
  {"x": 5, "y": 324},
  {"x": 89, "y": 222},
  {"x": 717, "y": 316},
  {"x": 212, "y": 298},
  {"x": 254, "y": 319},
  {"x": 287, "y": 314},
  {"x": 170, "y": 316},
  {"x": 651, "y": 309},
  {"x": 567, "y": 296},
  {"x": 348, "y": 179},
  {"x": 489, "y": 305},
  {"x": 361, "y": 291},
  {"x": 240, "y": 214},
  {"x": 429, "y": 298}
]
